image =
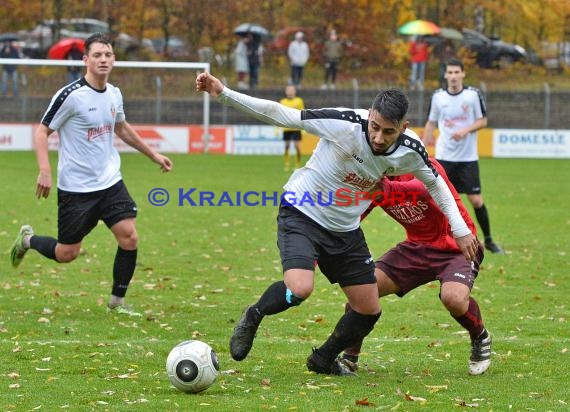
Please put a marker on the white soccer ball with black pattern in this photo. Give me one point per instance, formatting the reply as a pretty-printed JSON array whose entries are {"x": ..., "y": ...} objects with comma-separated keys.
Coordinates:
[{"x": 192, "y": 366}]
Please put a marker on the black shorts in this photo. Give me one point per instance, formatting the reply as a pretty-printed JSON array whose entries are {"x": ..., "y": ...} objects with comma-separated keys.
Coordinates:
[
  {"x": 343, "y": 257},
  {"x": 463, "y": 175},
  {"x": 79, "y": 213},
  {"x": 410, "y": 265},
  {"x": 294, "y": 135}
]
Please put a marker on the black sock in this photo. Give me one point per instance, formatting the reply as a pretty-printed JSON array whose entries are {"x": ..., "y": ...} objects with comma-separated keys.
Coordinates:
[
  {"x": 276, "y": 298},
  {"x": 123, "y": 271},
  {"x": 45, "y": 245},
  {"x": 353, "y": 350},
  {"x": 483, "y": 220},
  {"x": 350, "y": 329}
]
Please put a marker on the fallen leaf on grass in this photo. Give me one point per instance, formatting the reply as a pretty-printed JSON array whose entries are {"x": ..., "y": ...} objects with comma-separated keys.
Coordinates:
[
  {"x": 435, "y": 388},
  {"x": 364, "y": 402},
  {"x": 123, "y": 376},
  {"x": 468, "y": 405},
  {"x": 409, "y": 397}
]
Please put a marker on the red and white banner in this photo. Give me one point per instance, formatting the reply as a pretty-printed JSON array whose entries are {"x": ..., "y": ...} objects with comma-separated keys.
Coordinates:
[
  {"x": 16, "y": 137},
  {"x": 218, "y": 140}
]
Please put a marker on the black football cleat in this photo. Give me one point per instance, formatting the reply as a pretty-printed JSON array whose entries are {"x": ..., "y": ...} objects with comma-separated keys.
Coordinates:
[
  {"x": 244, "y": 333},
  {"x": 317, "y": 364}
]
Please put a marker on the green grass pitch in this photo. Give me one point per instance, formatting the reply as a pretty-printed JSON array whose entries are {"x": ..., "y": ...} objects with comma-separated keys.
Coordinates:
[{"x": 199, "y": 266}]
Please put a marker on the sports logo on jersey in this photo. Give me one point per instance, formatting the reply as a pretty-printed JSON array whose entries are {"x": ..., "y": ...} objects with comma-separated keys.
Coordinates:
[
  {"x": 95, "y": 132},
  {"x": 113, "y": 111},
  {"x": 369, "y": 261},
  {"x": 357, "y": 158},
  {"x": 388, "y": 171},
  {"x": 358, "y": 181}
]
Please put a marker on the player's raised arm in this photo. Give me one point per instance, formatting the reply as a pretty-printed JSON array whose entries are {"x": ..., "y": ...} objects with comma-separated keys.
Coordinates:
[{"x": 268, "y": 111}]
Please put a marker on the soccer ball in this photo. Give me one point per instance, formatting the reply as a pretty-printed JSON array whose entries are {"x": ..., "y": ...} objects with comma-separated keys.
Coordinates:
[{"x": 192, "y": 366}]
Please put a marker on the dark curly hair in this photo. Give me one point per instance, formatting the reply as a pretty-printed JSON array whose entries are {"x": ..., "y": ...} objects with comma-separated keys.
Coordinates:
[
  {"x": 392, "y": 104},
  {"x": 97, "y": 38}
]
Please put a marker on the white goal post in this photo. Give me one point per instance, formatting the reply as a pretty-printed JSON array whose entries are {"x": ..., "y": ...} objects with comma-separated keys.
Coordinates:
[{"x": 138, "y": 65}]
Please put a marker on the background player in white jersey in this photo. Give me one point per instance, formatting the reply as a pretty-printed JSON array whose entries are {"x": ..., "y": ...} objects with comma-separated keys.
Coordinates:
[
  {"x": 86, "y": 114},
  {"x": 458, "y": 112},
  {"x": 357, "y": 147}
]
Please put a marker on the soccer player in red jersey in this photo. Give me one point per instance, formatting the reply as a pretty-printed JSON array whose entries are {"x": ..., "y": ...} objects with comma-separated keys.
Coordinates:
[{"x": 429, "y": 253}]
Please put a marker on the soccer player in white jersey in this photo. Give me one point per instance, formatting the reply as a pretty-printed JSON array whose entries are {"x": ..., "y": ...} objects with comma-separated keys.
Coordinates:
[
  {"x": 316, "y": 225},
  {"x": 86, "y": 114},
  {"x": 458, "y": 112}
]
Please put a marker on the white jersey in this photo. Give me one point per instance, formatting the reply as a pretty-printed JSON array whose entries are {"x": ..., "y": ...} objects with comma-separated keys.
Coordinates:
[
  {"x": 453, "y": 112},
  {"x": 84, "y": 119},
  {"x": 343, "y": 164}
]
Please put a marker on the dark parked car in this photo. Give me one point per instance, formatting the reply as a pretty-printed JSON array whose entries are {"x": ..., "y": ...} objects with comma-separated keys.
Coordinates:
[
  {"x": 176, "y": 48},
  {"x": 39, "y": 40},
  {"x": 488, "y": 52},
  {"x": 492, "y": 52}
]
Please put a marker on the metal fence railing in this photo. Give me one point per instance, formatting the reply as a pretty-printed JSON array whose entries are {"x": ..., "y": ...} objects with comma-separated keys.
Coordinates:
[{"x": 540, "y": 109}]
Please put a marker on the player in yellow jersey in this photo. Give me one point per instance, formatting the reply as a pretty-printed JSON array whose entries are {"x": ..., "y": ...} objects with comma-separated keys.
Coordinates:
[{"x": 292, "y": 135}]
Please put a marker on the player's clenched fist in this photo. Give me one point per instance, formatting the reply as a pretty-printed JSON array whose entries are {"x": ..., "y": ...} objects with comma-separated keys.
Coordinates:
[{"x": 205, "y": 82}]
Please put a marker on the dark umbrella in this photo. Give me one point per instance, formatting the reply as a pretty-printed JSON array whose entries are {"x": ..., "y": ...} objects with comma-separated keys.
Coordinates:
[
  {"x": 451, "y": 34},
  {"x": 60, "y": 49},
  {"x": 251, "y": 28}
]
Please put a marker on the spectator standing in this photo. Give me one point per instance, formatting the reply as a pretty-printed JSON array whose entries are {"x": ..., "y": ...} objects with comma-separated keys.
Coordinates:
[
  {"x": 298, "y": 53},
  {"x": 74, "y": 72},
  {"x": 419, "y": 55},
  {"x": 333, "y": 54},
  {"x": 292, "y": 135},
  {"x": 241, "y": 63},
  {"x": 9, "y": 71},
  {"x": 254, "y": 58}
]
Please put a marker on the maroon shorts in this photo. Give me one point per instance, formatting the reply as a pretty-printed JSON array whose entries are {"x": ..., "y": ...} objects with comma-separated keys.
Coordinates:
[{"x": 410, "y": 265}]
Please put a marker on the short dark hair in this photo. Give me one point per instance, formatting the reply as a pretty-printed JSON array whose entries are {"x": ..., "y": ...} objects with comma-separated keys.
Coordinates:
[
  {"x": 97, "y": 38},
  {"x": 454, "y": 62},
  {"x": 392, "y": 104}
]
